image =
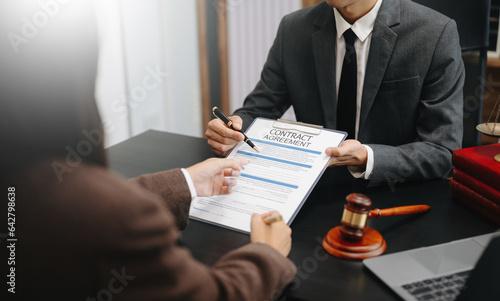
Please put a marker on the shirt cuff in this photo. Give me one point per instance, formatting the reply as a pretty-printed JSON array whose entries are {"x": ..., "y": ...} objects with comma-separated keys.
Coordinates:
[
  {"x": 360, "y": 172},
  {"x": 190, "y": 183}
]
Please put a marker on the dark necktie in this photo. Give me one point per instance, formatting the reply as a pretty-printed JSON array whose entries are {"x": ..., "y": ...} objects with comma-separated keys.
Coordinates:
[{"x": 346, "y": 108}]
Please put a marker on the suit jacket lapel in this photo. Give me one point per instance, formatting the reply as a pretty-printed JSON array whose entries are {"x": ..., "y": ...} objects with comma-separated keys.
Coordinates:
[
  {"x": 382, "y": 44},
  {"x": 323, "y": 43}
]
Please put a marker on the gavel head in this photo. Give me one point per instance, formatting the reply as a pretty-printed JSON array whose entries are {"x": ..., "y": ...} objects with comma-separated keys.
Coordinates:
[{"x": 355, "y": 216}]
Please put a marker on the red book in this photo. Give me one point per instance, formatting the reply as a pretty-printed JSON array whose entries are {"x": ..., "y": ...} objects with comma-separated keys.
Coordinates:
[
  {"x": 478, "y": 163},
  {"x": 476, "y": 185},
  {"x": 476, "y": 201}
]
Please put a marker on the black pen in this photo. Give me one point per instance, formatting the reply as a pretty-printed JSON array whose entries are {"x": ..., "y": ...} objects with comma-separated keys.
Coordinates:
[{"x": 218, "y": 113}]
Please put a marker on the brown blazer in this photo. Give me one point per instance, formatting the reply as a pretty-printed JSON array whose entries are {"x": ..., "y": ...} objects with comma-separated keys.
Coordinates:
[{"x": 95, "y": 236}]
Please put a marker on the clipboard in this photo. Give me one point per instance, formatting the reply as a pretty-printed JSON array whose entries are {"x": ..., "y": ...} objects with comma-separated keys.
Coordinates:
[
  {"x": 298, "y": 126},
  {"x": 280, "y": 177}
]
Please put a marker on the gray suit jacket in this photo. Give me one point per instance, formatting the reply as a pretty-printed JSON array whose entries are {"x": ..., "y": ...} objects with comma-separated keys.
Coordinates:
[{"x": 412, "y": 105}]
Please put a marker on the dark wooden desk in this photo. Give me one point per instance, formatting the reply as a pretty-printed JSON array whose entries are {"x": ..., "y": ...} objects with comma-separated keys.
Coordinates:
[{"x": 320, "y": 276}]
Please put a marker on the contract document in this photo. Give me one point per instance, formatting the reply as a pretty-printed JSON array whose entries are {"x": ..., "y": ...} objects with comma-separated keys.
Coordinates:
[{"x": 291, "y": 160}]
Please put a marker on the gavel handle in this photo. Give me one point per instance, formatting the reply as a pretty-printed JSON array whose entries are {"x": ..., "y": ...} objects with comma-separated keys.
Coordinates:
[{"x": 403, "y": 210}]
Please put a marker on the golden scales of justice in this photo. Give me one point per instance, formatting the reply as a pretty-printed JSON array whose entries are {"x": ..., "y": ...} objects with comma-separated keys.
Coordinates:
[{"x": 490, "y": 128}]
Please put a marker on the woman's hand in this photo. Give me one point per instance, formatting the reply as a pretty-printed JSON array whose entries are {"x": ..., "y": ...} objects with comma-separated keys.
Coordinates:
[
  {"x": 210, "y": 176},
  {"x": 278, "y": 235}
]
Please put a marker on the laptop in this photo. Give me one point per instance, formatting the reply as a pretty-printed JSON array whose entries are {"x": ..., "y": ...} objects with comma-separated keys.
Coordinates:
[{"x": 441, "y": 272}]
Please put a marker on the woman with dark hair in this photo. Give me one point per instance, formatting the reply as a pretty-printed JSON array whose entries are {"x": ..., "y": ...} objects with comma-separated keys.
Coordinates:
[{"x": 87, "y": 234}]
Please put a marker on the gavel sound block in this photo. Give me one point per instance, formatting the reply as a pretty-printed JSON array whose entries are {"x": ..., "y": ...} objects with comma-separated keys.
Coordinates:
[{"x": 353, "y": 240}]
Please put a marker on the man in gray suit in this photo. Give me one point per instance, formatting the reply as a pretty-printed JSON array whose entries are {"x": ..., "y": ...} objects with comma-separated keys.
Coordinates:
[{"x": 408, "y": 91}]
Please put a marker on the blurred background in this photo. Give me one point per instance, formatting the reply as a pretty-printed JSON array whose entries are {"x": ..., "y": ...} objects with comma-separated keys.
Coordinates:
[{"x": 165, "y": 63}]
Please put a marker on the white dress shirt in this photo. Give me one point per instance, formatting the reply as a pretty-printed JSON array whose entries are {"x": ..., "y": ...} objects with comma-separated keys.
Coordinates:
[
  {"x": 363, "y": 29},
  {"x": 190, "y": 183}
]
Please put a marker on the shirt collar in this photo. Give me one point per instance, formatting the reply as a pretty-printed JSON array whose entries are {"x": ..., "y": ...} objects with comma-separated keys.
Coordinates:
[{"x": 362, "y": 27}]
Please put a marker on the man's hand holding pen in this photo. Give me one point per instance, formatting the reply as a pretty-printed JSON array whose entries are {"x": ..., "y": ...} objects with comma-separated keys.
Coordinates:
[
  {"x": 224, "y": 133},
  {"x": 222, "y": 139}
]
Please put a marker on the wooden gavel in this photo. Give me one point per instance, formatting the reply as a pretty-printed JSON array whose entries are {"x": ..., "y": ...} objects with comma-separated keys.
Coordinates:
[
  {"x": 353, "y": 239},
  {"x": 357, "y": 212}
]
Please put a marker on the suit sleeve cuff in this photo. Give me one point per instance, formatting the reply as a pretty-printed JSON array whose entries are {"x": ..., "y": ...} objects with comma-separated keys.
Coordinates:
[
  {"x": 190, "y": 183},
  {"x": 367, "y": 172}
]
